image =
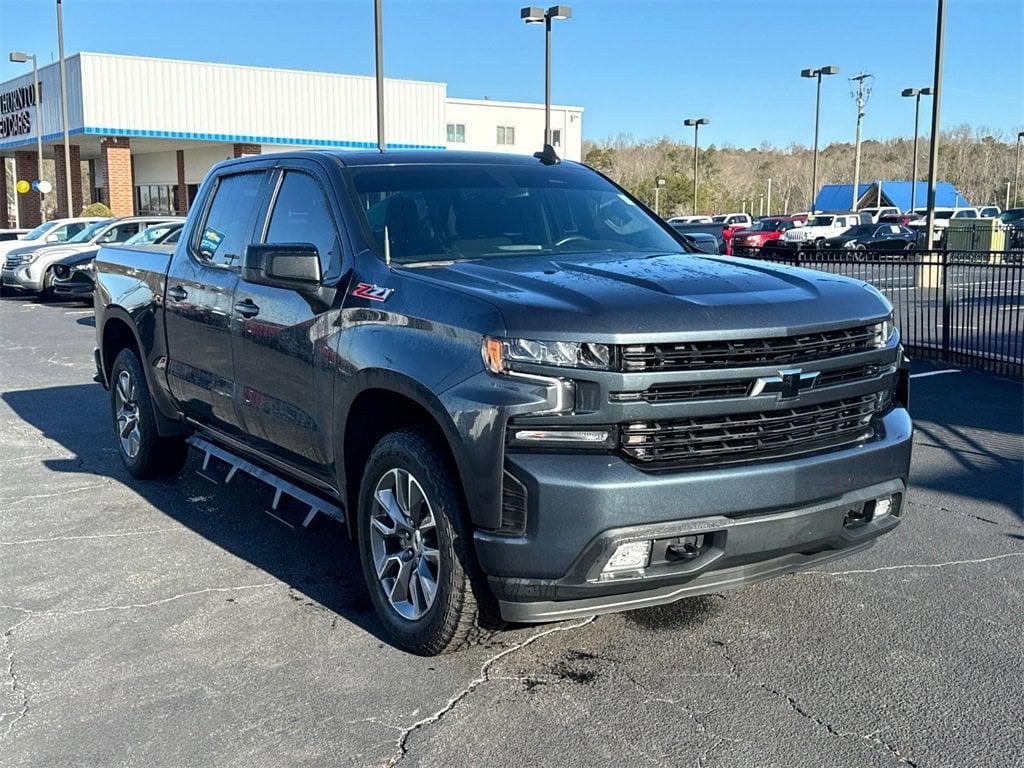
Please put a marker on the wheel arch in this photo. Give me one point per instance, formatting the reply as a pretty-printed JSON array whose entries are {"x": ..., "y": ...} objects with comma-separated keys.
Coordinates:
[{"x": 382, "y": 402}]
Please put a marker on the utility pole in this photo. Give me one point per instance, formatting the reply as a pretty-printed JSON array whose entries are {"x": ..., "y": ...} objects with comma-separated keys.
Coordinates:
[
  {"x": 64, "y": 109},
  {"x": 863, "y": 91},
  {"x": 933, "y": 156},
  {"x": 378, "y": 23}
]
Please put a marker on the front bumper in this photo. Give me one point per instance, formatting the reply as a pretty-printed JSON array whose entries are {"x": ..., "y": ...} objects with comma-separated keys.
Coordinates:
[
  {"x": 767, "y": 519},
  {"x": 72, "y": 287},
  {"x": 20, "y": 278}
]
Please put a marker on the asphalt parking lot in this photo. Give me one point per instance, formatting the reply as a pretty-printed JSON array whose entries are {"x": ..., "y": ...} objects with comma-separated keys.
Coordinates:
[{"x": 177, "y": 624}]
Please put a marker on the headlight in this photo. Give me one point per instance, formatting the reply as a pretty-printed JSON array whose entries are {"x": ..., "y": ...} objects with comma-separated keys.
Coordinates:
[
  {"x": 501, "y": 354},
  {"x": 883, "y": 332}
]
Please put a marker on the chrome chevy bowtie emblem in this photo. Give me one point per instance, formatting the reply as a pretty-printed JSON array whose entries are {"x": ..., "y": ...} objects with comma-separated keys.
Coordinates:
[{"x": 788, "y": 384}]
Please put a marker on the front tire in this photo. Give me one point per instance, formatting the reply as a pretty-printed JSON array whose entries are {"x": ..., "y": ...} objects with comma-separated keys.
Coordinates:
[
  {"x": 144, "y": 453},
  {"x": 416, "y": 548}
]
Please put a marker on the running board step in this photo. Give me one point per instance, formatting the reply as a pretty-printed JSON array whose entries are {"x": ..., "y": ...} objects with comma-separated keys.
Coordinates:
[{"x": 292, "y": 505}]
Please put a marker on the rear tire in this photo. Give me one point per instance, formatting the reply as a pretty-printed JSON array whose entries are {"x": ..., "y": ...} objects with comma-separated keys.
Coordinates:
[
  {"x": 416, "y": 548},
  {"x": 144, "y": 453}
]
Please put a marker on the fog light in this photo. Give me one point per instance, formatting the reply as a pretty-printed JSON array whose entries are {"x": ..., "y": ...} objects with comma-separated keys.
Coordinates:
[
  {"x": 883, "y": 507},
  {"x": 631, "y": 556}
]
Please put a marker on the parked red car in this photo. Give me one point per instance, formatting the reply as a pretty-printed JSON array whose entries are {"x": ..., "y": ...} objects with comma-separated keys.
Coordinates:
[{"x": 749, "y": 241}]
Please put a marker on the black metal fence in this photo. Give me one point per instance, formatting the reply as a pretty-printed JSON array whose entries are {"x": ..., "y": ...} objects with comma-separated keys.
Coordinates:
[{"x": 960, "y": 307}]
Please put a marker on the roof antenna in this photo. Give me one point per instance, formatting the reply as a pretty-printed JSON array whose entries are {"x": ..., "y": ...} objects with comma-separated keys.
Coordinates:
[
  {"x": 548, "y": 156},
  {"x": 387, "y": 247}
]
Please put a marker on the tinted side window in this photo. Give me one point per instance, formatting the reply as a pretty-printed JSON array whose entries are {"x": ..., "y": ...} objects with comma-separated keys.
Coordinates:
[
  {"x": 301, "y": 215},
  {"x": 229, "y": 219},
  {"x": 120, "y": 233},
  {"x": 65, "y": 233}
]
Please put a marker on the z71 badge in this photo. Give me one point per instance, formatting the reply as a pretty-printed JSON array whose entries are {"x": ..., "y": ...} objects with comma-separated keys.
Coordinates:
[{"x": 372, "y": 292}]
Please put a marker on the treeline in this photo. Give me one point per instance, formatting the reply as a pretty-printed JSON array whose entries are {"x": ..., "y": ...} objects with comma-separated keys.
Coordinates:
[{"x": 978, "y": 162}]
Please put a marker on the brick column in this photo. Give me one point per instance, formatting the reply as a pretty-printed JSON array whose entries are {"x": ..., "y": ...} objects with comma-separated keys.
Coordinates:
[
  {"x": 5, "y": 222},
  {"x": 119, "y": 193},
  {"x": 183, "y": 201},
  {"x": 61, "y": 177},
  {"x": 26, "y": 167},
  {"x": 247, "y": 149}
]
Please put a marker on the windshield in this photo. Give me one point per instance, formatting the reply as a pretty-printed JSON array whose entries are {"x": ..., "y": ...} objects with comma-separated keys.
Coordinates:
[
  {"x": 943, "y": 214},
  {"x": 822, "y": 221},
  {"x": 768, "y": 225},
  {"x": 1014, "y": 215},
  {"x": 87, "y": 234},
  {"x": 40, "y": 231},
  {"x": 152, "y": 234},
  {"x": 718, "y": 219},
  {"x": 454, "y": 212}
]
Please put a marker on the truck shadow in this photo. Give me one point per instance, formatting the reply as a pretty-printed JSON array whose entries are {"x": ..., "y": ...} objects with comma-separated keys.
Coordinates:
[
  {"x": 977, "y": 424},
  {"x": 319, "y": 564}
]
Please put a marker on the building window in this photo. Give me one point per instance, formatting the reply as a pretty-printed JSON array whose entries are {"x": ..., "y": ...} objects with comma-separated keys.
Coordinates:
[
  {"x": 456, "y": 133},
  {"x": 155, "y": 198},
  {"x": 506, "y": 135},
  {"x": 556, "y": 137}
]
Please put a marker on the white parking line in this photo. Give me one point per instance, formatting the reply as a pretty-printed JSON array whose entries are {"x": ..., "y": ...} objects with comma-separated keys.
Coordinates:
[{"x": 934, "y": 373}]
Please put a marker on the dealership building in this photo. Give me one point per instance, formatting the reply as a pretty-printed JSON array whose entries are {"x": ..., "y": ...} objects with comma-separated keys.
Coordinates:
[{"x": 145, "y": 131}]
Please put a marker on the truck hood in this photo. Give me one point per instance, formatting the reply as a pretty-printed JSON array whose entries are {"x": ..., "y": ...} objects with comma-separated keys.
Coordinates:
[{"x": 625, "y": 298}]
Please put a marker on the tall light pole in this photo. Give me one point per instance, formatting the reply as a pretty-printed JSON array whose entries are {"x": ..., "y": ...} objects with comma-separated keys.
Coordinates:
[
  {"x": 20, "y": 58},
  {"x": 378, "y": 25},
  {"x": 916, "y": 94},
  {"x": 534, "y": 15},
  {"x": 1016, "y": 171},
  {"x": 933, "y": 154},
  {"x": 696, "y": 122},
  {"x": 818, "y": 73},
  {"x": 863, "y": 91},
  {"x": 64, "y": 108},
  {"x": 658, "y": 184},
  {"x": 768, "y": 207}
]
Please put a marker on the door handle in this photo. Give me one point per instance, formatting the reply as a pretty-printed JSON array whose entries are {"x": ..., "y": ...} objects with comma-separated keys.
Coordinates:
[
  {"x": 247, "y": 308},
  {"x": 177, "y": 293}
]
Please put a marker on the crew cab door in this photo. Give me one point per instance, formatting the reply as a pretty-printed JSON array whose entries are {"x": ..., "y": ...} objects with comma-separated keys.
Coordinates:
[
  {"x": 200, "y": 299},
  {"x": 281, "y": 335}
]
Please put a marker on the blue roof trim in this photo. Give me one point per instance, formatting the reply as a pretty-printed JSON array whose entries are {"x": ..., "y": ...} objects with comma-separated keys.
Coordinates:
[{"x": 222, "y": 137}]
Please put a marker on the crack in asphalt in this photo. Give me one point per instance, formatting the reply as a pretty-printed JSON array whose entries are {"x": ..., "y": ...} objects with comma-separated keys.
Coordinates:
[
  {"x": 909, "y": 566},
  {"x": 15, "y": 684},
  {"x": 872, "y": 738},
  {"x": 960, "y": 512},
  {"x": 62, "y": 492},
  {"x": 83, "y": 537},
  {"x": 483, "y": 677}
]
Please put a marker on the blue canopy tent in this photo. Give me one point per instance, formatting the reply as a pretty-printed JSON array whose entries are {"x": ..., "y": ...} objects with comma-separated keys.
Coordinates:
[{"x": 839, "y": 197}]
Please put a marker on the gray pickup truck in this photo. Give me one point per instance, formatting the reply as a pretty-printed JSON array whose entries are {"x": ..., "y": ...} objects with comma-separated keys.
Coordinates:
[{"x": 521, "y": 392}]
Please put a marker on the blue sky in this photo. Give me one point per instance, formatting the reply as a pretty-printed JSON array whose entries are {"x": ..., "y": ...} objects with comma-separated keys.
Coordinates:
[{"x": 637, "y": 67}]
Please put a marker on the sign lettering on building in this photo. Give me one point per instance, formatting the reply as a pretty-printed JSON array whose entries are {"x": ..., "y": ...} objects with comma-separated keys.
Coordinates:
[{"x": 15, "y": 117}]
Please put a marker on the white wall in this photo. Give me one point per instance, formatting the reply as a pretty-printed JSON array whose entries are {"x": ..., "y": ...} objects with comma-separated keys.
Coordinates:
[
  {"x": 221, "y": 102},
  {"x": 482, "y": 118},
  {"x": 156, "y": 168}
]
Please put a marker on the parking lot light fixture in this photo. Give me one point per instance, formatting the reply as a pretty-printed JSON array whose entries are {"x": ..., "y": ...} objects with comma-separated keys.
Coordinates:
[
  {"x": 658, "y": 184},
  {"x": 916, "y": 94},
  {"x": 18, "y": 57},
  {"x": 817, "y": 73},
  {"x": 696, "y": 122},
  {"x": 533, "y": 15}
]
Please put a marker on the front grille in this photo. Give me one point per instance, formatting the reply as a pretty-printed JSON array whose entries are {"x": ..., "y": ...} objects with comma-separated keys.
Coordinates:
[
  {"x": 678, "y": 392},
  {"x": 16, "y": 261},
  {"x": 749, "y": 436},
  {"x": 781, "y": 350}
]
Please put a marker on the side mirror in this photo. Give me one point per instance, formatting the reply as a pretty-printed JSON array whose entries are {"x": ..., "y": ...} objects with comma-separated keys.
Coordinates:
[
  {"x": 52, "y": 239},
  {"x": 282, "y": 265}
]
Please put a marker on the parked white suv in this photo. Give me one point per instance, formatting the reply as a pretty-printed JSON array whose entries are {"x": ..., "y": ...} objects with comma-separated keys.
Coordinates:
[
  {"x": 733, "y": 219},
  {"x": 50, "y": 233},
  {"x": 943, "y": 216},
  {"x": 823, "y": 226}
]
